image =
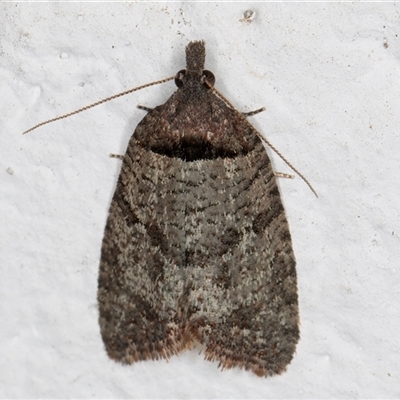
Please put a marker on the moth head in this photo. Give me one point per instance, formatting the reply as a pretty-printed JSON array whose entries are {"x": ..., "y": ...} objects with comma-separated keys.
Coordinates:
[{"x": 207, "y": 78}]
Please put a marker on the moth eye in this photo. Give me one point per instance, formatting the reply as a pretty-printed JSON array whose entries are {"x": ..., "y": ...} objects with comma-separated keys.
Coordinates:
[
  {"x": 209, "y": 76},
  {"x": 179, "y": 77}
]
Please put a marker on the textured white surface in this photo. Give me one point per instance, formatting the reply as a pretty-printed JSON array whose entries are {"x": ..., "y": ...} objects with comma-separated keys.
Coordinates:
[{"x": 329, "y": 76}]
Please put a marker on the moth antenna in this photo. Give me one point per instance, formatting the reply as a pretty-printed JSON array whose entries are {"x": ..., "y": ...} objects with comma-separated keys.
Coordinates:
[
  {"x": 243, "y": 116},
  {"x": 99, "y": 102}
]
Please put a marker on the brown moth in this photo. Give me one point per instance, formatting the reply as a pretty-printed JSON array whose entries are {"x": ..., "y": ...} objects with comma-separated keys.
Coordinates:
[{"x": 197, "y": 247}]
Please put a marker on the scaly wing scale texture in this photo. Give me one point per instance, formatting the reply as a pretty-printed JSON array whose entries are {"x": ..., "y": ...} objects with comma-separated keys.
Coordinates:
[{"x": 197, "y": 246}]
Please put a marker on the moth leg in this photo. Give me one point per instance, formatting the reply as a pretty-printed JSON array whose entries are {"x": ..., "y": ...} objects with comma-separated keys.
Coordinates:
[
  {"x": 283, "y": 175},
  {"x": 250, "y": 113},
  {"x": 119, "y": 156},
  {"x": 148, "y": 109}
]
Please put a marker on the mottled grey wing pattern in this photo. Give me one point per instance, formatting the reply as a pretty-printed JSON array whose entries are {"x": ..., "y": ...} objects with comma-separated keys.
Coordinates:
[{"x": 197, "y": 246}]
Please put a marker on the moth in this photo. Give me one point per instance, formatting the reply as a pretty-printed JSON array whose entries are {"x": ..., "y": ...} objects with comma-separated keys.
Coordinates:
[{"x": 197, "y": 246}]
